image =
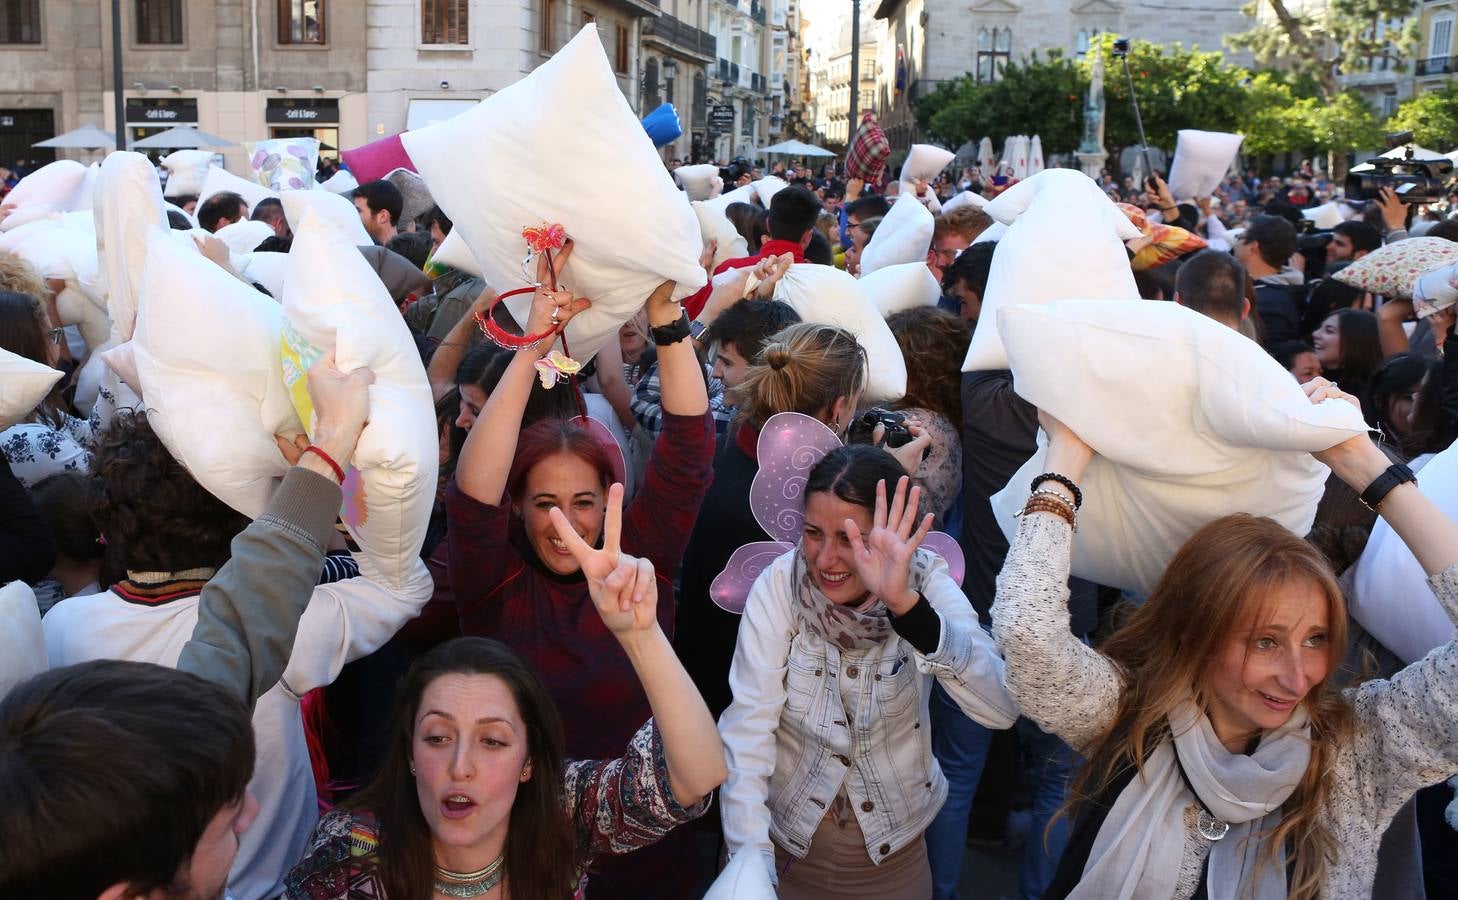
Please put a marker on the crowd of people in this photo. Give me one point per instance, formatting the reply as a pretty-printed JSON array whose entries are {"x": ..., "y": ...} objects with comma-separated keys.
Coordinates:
[{"x": 245, "y": 707}]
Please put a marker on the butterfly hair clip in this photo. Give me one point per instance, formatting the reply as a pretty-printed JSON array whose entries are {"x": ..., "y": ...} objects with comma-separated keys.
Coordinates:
[{"x": 555, "y": 367}]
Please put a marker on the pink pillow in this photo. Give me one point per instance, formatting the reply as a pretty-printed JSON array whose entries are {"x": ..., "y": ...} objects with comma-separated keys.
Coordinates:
[{"x": 377, "y": 159}]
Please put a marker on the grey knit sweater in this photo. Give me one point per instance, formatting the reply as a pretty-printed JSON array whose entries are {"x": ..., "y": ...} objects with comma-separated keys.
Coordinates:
[{"x": 1407, "y": 726}]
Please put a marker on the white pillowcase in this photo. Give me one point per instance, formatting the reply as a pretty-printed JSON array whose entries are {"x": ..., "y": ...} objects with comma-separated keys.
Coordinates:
[
  {"x": 714, "y": 225},
  {"x": 1200, "y": 162},
  {"x": 341, "y": 182},
  {"x": 966, "y": 198},
  {"x": 699, "y": 182},
  {"x": 336, "y": 210},
  {"x": 128, "y": 203},
  {"x": 901, "y": 287},
  {"x": 22, "y": 642},
  {"x": 54, "y": 185},
  {"x": 244, "y": 236},
  {"x": 766, "y": 188},
  {"x": 24, "y": 383},
  {"x": 924, "y": 162},
  {"x": 267, "y": 268},
  {"x": 827, "y": 295},
  {"x": 334, "y": 300},
  {"x": 1190, "y": 421},
  {"x": 219, "y": 179},
  {"x": 904, "y": 235},
  {"x": 187, "y": 171},
  {"x": 746, "y": 877},
  {"x": 206, "y": 351},
  {"x": 453, "y": 252},
  {"x": 493, "y": 181},
  {"x": 1037, "y": 260},
  {"x": 1389, "y": 593}
]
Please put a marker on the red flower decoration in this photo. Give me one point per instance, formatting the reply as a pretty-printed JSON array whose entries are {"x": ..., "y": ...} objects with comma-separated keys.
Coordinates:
[{"x": 540, "y": 238}]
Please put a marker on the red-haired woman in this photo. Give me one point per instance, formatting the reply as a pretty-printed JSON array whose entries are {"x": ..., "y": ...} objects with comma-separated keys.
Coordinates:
[{"x": 516, "y": 582}]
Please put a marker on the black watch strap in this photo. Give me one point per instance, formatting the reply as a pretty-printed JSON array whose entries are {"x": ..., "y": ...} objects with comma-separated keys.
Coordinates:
[
  {"x": 672, "y": 333},
  {"x": 1383, "y": 484}
]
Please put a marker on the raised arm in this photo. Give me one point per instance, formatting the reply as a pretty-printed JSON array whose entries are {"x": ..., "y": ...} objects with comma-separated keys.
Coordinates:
[
  {"x": 491, "y": 445},
  {"x": 680, "y": 376},
  {"x": 447, "y": 358}
]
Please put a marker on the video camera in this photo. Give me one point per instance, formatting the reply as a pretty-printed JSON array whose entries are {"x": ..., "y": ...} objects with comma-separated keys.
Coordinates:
[{"x": 1412, "y": 180}]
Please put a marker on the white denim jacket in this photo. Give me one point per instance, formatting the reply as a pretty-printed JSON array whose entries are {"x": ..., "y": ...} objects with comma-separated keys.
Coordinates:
[{"x": 808, "y": 718}]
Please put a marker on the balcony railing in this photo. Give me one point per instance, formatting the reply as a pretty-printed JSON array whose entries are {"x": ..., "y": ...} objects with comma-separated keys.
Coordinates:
[
  {"x": 1437, "y": 65},
  {"x": 682, "y": 35},
  {"x": 756, "y": 12}
]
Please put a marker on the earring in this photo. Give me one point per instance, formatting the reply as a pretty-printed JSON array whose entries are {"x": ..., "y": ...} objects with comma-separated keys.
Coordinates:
[{"x": 412, "y": 768}]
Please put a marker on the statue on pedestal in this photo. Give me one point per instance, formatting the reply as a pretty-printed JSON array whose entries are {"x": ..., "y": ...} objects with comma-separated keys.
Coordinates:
[{"x": 1091, "y": 152}]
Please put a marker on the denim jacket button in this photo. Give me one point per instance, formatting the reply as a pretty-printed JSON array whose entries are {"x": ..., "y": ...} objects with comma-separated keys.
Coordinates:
[
  {"x": 878, "y": 676},
  {"x": 885, "y": 849},
  {"x": 842, "y": 759},
  {"x": 867, "y": 806},
  {"x": 852, "y": 672}
]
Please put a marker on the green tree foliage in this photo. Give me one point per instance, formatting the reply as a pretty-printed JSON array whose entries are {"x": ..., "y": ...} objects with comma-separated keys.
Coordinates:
[
  {"x": 1043, "y": 97},
  {"x": 1432, "y": 118},
  {"x": 1324, "y": 41},
  {"x": 1177, "y": 88}
]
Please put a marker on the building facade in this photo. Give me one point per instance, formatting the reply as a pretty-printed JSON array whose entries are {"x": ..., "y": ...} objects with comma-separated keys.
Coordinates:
[{"x": 1437, "y": 58}]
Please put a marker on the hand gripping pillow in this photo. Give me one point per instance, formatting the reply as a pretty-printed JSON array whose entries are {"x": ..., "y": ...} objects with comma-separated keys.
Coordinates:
[
  {"x": 699, "y": 182},
  {"x": 1190, "y": 421},
  {"x": 220, "y": 179},
  {"x": 1389, "y": 593},
  {"x": 53, "y": 185},
  {"x": 1040, "y": 214},
  {"x": 1393, "y": 268},
  {"x": 24, "y": 383},
  {"x": 377, "y": 159},
  {"x": 128, "y": 203},
  {"x": 22, "y": 642},
  {"x": 244, "y": 236},
  {"x": 283, "y": 164},
  {"x": 495, "y": 172},
  {"x": 206, "y": 353},
  {"x": 186, "y": 172},
  {"x": 827, "y": 295},
  {"x": 901, "y": 287},
  {"x": 904, "y": 235},
  {"x": 336, "y": 210},
  {"x": 1200, "y": 162},
  {"x": 766, "y": 188},
  {"x": 334, "y": 300},
  {"x": 714, "y": 224}
]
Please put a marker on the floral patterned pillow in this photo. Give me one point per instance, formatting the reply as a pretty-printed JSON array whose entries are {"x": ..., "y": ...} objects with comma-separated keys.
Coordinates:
[
  {"x": 1392, "y": 269},
  {"x": 283, "y": 164}
]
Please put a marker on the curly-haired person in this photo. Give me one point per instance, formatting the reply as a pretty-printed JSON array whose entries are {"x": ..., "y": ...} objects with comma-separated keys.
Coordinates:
[{"x": 933, "y": 342}]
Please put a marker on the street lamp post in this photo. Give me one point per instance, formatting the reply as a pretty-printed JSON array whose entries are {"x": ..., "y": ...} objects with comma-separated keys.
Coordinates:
[{"x": 116, "y": 76}]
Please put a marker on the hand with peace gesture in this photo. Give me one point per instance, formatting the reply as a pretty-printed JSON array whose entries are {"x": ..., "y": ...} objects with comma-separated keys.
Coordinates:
[
  {"x": 882, "y": 559},
  {"x": 622, "y": 587}
]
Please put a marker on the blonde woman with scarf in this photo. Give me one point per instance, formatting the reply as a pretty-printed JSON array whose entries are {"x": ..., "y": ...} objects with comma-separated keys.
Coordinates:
[
  {"x": 831, "y": 775},
  {"x": 1222, "y": 760}
]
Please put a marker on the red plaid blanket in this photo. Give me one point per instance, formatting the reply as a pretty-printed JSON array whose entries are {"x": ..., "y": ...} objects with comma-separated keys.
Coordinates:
[{"x": 868, "y": 151}]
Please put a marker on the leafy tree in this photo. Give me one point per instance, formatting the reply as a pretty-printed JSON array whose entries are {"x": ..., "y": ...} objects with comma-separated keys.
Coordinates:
[
  {"x": 1177, "y": 88},
  {"x": 1342, "y": 123},
  {"x": 1274, "y": 120},
  {"x": 1432, "y": 117},
  {"x": 1036, "y": 96}
]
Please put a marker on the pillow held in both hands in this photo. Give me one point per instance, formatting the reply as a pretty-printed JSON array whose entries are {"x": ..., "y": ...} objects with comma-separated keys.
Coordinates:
[
  {"x": 904, "y": 236},
  {"x": 829, "y": 296}
]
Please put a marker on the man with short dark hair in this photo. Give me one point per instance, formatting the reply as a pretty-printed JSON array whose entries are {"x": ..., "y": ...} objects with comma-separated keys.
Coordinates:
[
  {"x": 791, "y": 219},
  {"x": 1350, "y": 241},
  {"x": 1212, "y": 283},
  {"x": 270, "y": 210},
  {"x": 222, "y": 208},
  {"x": 966, "y": 279},
  {"x": 1264, "y": 250},
  {"x": 740, "y": 333},
  {"x": 379, "y": 203}
]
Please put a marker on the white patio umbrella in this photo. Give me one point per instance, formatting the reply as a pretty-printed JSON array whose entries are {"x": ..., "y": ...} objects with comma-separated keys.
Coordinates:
[
  {"x": 985, "y": 159},
  {"x": 1020, "y": 157},
  {"x": 796, "y": 148},
  {"x": 181, "y": 138},
  {"x": 87, "y": 137},
  {"x": 1035, "y": 155},
  {"x": 1008, "y": 159}
]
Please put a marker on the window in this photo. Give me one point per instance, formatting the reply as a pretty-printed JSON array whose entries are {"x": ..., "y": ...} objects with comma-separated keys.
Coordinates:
[
  {"x": 445, "y": 21},
  {"x": 994, "y": 49},
  {"x": 159, "y": 21},
  {"x": 1389, "y": 104},
  {"x": 1440, "y": 43},
  {"x": 623, "y": 50},
  {"x": 650, "y": 85},
  {"x": 20, "y": 22},
  {"x": 301, "y": 21},
  {"x": 549, "y": 21}
]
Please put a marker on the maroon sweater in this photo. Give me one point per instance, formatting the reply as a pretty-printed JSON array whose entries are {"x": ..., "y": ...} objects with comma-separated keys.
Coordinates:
[{"x": 503, "y": 590}]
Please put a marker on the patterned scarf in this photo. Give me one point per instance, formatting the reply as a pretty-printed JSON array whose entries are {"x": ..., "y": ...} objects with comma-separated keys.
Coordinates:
[{"x": 848, "y": 627}]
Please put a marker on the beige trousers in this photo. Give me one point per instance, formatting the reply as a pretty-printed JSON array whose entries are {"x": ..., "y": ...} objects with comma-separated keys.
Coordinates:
[{"x": 837, "y": 868}]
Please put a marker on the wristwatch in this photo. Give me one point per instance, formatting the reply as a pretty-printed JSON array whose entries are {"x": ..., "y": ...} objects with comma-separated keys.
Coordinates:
[
  {"x": 672, "y": 333},
  {"x": 1383, "y": 484}
]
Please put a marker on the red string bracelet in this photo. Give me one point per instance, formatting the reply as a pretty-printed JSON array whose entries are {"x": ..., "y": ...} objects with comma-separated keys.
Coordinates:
[{"x": 338, "y": 472}]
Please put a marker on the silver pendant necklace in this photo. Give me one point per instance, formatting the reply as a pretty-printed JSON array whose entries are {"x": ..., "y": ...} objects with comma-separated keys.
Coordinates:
[{"x": 469, "y": 884}]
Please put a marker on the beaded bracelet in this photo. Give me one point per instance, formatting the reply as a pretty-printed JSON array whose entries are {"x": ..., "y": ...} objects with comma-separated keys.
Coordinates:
[
  {"x": 1058, "y": 508},
  {"x": 1063, "y": 480}
]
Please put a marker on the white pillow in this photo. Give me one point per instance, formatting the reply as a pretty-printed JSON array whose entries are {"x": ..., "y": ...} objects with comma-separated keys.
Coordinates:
[
  {"x": 1327, "y": 215},
  {"x": 994, "y": 232},
  {"x": 206, "y": 353},
  {"x": 966, "y": 198},
  {"x": 219, "y": 179},
  {"x": 187, "y": 172},
  {"x": 904, "y": 235},
  {"x": 714, "y": 225},
  {"x": 24, "y": 383},
  {"x": 493, "y": 183},
  {"x": 128, "y": 203},
  {"x": 283, "y": 163},
  {"x": 14, "y": 237},
  {"x": 1190, "y": 421},
  {"x": 333, "y": 299},
  {"x": 746, "y": 877},
  {"x": 57, "y": 252},
  {"x": 335, "y": 209},
  {"x": 28, "y": 215},
  {"x": 54, "y": 184},
  {"x": 341, "y": 182},
  {"x": 1037, "y": 260},
  {"x": 174, "y": 208},
  {"x": 827, "y": 295},
  {"x": 244, "y": 236},
  {"x": 699, "y": 182},
  {"x": 1389, "y": 592},
  {"x": 766, "y": 188},
  {"x": 1200, "y": 162},
  {"x": 454, "y": 253},
  {"x": 268, "y": 269},
  {"x": 86, "y": 191},
  {"x": 22, "y": 642},
  {"x": 924, "y": 162},
  {"x": 900, "y": 287}
]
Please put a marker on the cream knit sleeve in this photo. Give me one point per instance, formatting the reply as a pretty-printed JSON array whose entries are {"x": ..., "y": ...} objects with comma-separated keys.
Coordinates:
[{"x": 1065, "y": 686}]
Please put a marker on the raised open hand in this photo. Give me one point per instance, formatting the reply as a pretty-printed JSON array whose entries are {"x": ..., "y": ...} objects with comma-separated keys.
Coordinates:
[
  {"x": 623, "y": 587},
  {"x": 883, "y": 558}
]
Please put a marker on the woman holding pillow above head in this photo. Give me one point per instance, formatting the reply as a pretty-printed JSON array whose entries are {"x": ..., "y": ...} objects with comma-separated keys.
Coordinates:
[
  {"x": 516, "y": 581},
  {"x": 1223, "y": 762}
]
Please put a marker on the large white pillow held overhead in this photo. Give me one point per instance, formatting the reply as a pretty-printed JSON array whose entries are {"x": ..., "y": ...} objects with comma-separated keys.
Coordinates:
[
  {"x": 714, "y": 224},
  {"x": 335, "y": 209},
  {"x": 827, "y": 295},
  {"x": 516, "y": 161},
  {"x": 128, "y": 203},
  {"x": 1040, "y": 260},
  {"x": 1190, "y": 421},
  {"x": 904, "y": 236},
  {"x": 219, "y": 179}
]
